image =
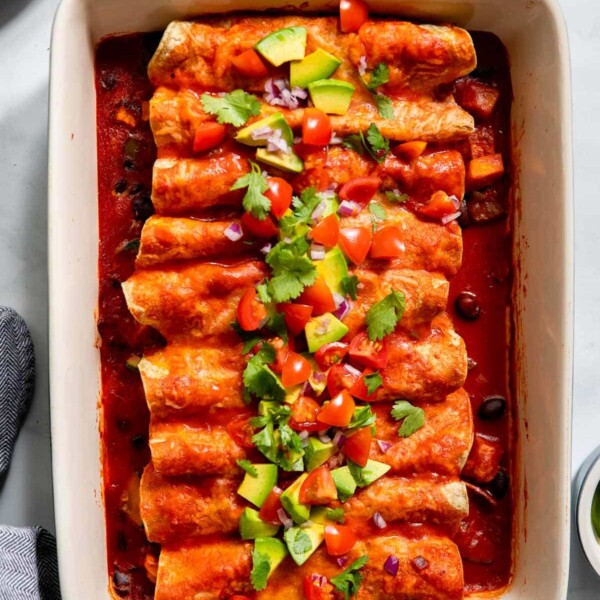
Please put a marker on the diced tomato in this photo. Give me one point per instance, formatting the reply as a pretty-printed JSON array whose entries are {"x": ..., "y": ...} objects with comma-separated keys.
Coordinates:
[
  {"x": 250, "y": 64},
  {"x": 387, "y": 243},
  {"x": 358, "y": 446},
  {"x": 339, "y": 539},
  {"x": 208, "y": 135},
  {"x": 241, "y": 431},
  {"x": 341, "y": 377},
  {"x": 476, "y": 97},
  {"x": 440, "y": 205},
  {"x": 318, "y": 487},
  {"x": 296, "y": 370},
  {"x": 355, "y": 243},
  {"x": 353, "y": 13},
  {"x": 258, "y": 227},
  {"x": 316, "y": 127},
  {"x": 316, "y": 587},
  {"x": 361, "y": 189},
  {"x": 268, "y": 511},
  {"x": 304, "y": 415},
  {"x": 326, "y": 232},
  {"x": 318, "y": 296},
  {"x": 330, "y": 354},
  {"x": 250, "y": 311},
  {"x": 359, "y": 389},
  {"x": 281, "y": 354},
  {"x": 338, "y": 411},
  {"x": 410, "y": 150},
  {"x": 296, "y": 316},
  {"x": 280, "y": 194},
  {"x": 367, "y": 353}
]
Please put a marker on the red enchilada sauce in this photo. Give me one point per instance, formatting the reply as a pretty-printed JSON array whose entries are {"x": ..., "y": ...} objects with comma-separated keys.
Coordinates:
[{"x": 479, "y": 303}]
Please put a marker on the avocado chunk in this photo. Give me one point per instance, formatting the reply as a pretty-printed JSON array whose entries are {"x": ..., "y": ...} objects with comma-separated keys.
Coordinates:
[
  {"x": 333, "y": 268},
  {"x": 252, "y": 526},
  {"x": 286, "y": 162},
  {"x": 270, "y": 549},
  {"x": 366, "y": 475},
  {"x": 256, "y": 489},
  {"x": 344, "y": 482},
  {"x": 322, "y": 330},
  {"x": 290, "y": 500},
  {"x": 283, "y": 45},
  {"x": 331, "y": 95},
  {"x": 303, "y": 541},
  {"x": 293, "y": 393},
  {"x": 317, "y": 379},
  {"x": 317, "y": 453},
  {"x": 315, "y": 66},
  {"x": 274, "y": 121}
]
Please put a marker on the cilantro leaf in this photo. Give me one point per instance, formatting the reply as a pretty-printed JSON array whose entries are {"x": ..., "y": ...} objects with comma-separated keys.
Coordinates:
[
  {"x": 292, "y": 272},
  {"x": 245, "y": 464},
  {"x": 363, "y": 415},
  {"x": 234, "y": 108},
  {"x": 384, "y": 106},
  {"x": 261, "y": 568},
  {"x": 379, "y": 75},
  {"x": 349, "y": 580},
  {"x": 414, "y": 417},
  {"x": 263, "y": 293},
  {"x": 355, "y": 142},
  {"x": 303, "y": 207},
  {"x": 297, "y": 541},
  {"x": 396, "y": 196},
  {"x": 249, "y": 337},
  {"x": 373, "y": 382},
  {"x": 377, "y": 145},
  {"x": 350, "y": 286},
  {"x": 258, "y": 377},
  {"x": 276, "y": 324},
  {"x": 377, "y": 214},
  {"x": 254, "y": 201},
  {"x": 336, "y": 514},
  {"x": 384, "y": 315}
]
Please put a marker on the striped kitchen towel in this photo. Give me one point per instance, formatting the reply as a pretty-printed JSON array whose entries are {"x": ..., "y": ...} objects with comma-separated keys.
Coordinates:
[{"x": 28, "y": 566}]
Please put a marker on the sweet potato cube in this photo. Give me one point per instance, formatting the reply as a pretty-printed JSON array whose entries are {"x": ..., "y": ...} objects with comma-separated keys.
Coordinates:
[
  {"x": 484, "y": 171},
  {"x": 484, "y": 459},
  {"x": 410, "y": 150},
  {"x": 477, "y": 98}
]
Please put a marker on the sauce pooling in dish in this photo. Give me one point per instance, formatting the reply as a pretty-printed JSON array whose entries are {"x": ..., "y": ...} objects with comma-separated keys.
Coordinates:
[{"x": 370, "y": 409}]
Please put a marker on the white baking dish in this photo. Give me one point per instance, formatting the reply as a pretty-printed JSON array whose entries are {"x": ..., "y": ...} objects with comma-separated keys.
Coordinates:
[{"x": 534, "y": 33}]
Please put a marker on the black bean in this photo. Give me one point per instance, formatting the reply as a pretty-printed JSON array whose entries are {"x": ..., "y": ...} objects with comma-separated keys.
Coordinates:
[
  {"x": 143, "y": 208},
  {"x": 492, "y": 408},
  {"x": 120, "y": 186},
  {"x": 138, "y": 441},
  {"x": 121, "y": 583},
  {"x": 467, "y": 306},
  {"x": 128, "y": 165},
  {"x": 465, "y": 218},
  {"x": 499, "y": 485},
  {"x": 136, "y": 188}
]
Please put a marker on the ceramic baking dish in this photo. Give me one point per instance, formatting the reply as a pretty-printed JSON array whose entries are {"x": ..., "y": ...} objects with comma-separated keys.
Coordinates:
[{"x": 534, "y": 33}]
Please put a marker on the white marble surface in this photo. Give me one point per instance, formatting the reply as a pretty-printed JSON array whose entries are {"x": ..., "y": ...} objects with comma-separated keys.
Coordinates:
[{"x": 26, "y": 494}]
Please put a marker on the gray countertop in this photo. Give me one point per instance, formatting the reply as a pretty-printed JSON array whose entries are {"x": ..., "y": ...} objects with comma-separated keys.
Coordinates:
[{"x": 26, "y": 493}]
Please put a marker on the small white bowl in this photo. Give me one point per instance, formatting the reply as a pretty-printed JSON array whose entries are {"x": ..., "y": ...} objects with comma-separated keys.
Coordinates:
[{"x": 588, "y": 479}]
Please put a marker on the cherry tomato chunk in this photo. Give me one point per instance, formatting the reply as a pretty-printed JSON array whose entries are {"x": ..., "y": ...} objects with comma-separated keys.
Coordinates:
[
  {"x": 440, "y": 205},
  {"x": 304, "y": 415},
  {"x": 280, "y": 194},
  {"x": 341, "y": 377},
  {"x": 359, "y": 389},
  {"x": 208, "y": 136},
  {"x": 260, "y": 228},
  {"x": 241, "y": 431},
  {"x": 316, "y": 587},
  {"x": 339, "y": 539},
  {"x": 355, "y": 243},
  {"x": 353, "y": 13},
  {"x": 338, "y": 411},
  {"x": 318, "y": 487},
  {"x": 296, "y": 370},
  {"x": 296, "y": 316},
  {"x": 268, "y": 511},
  {"x": 250, "y": 64},
  {"x": 387, "y": 243},
  {"x": 330, "y": 354},
  {"x": 368, "y": 353},
  {"x": 360, "y": 190},
  {"x": 316, "y": 127},
  {"x": 326, "y": 232},
  {"x": 358, "y": 446},
  {"x": 250, "y": 311},
  {"x": 318, "y": 296}
]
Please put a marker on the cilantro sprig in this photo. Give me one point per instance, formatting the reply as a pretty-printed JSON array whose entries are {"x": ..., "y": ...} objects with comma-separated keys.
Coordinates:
[
  {"x": 373, "y": 382},
  {"x": 349, "y": 580},
  {"x": 373, "y": 143},
  {"x": 254, "y": 201},
  {"x": 303, "y": 207},
  {"x": 336, "y": 514},
  {"x": 384, "y": 105},
  {"x": 258, "y": 377},
  {"x": 378, "y": 214},
  {"x": 396, "y": 196},
  {"x": 379, "y": 76},
  {"x": 363, "y": 416},
  {"x": 247, "y": 466},
  {"x": 292, "y": 270},
  {"x": 261, "y": 568},
  {"x": 234, "y": 108},
  {"x": 384, "y": 315},
  {"x": 414, "y": 417}
]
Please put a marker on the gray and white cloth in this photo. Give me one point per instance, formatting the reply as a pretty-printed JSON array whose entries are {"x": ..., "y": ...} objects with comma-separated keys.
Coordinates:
[{"x": 28, "y": 565}]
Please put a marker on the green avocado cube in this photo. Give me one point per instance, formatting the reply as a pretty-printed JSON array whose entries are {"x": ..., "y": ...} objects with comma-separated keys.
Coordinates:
[
  {"x": 317, "y": 65},
  {"x": 252, "y": 526},
  {"x": 322, "y": 330},
  {"x": 271, "y": 549},
  {"x": 344, "y": 482},
  {"x": 303, "y": 541},
  {"x": 256, "y": 489},
  {"x": 318, "y": 453},
  {"x": 371, "y": 472},
  {"x": 290, "y": 500},
  {"x": 331, "y": 95},
  {"x": 283, "y": 45},
  {"x": 333, "y": 268},
  {"x": 281, "y": 160},
  {"x": 274, "y": 121}
]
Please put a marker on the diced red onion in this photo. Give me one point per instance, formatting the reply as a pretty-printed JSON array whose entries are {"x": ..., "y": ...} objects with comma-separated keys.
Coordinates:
[
  {"x": 449, "y": 218},
  {"x": 234, "y": 232},
  {"x": 319, "y": 210},
  {"x": 297, "y": 139},
  {"x": 308, "y": 523},
  {"x": 322, "y": 431},
  {"x": 276, "y": 143},
  {"x": 391, "y": 565},
  {"x": 299, "y": 92},
  {"x": 317, "y": 251},
  {"x": 384, "y": 446},
  {"x": 338, "y": 299},
  {"x": 325, "y": 439},
  {"x": 343, "y": 309},
  {"x": 362, "y": 66},
  {"x": 336, "y": 461},
  {"x": 341, "y": 561},
  {"x": 350, "y": 369},
  {"x": 278, "y": 93},
  {"x": 335, "y": 139},
  {"x": 285, "y": 520},
  {"x": 263, "y": 322},
  {"x": 318, "y": 376},
  {"x": 266, "y": 248},
  {"x": 349, "y": 208},
  {"x": 379, "y": 521},
  {"x": 319, "y": 580},
  {"x": 339, "y": 438},
  {"x": 303, "y": 435},
  {"x": 262, "y": 133},
  {"x": 420, "y": 563},
  {"x": 455, "y": 202}
]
